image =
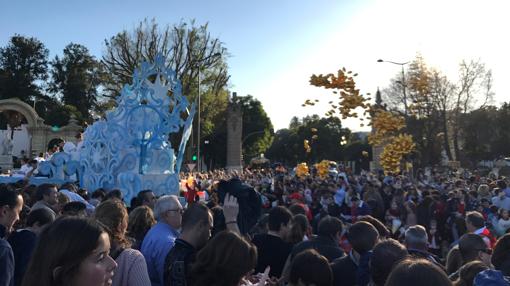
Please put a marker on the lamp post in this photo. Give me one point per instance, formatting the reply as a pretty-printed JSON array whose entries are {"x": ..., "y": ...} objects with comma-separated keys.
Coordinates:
[
  {"x": 199, "y": 162},
  {"x": 403, "y": 81}
]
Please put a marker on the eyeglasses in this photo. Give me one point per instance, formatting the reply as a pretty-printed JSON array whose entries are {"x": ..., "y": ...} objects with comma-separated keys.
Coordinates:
[{"x": 181, "y": 211}]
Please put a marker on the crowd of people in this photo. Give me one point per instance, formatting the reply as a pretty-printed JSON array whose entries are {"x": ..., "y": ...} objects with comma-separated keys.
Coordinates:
[{"x": 262, "y": 227}]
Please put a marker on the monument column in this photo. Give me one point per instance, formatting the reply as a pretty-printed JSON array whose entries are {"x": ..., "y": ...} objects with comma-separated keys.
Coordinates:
[{"x": 234, "y": 135}]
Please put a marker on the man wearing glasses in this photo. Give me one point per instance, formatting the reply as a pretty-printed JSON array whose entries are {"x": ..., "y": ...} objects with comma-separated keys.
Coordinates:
[{"x": 161, "y": 237}]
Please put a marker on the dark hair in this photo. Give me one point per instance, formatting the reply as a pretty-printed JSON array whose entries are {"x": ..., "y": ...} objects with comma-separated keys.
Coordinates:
[
  {"x": 73, "y": 208},
  {"x": 386, "y": 254},
  {"x": 468, "y": 272},
  {"x": 469, "y": 245},
  {"x": 501, "y": 251},
  {"x": 8, "y": 197},
  {"x": 362, "y": 236},
  {"x": 298, "y": 229},
  {"x": 476, "y": 219},
  {"x": 453, "y": 260},
  {"x": 417, "y": 272},
  {"x": 99, "y": 194},
  {"x": 44, "y": 190},
  {"x": 296, "y": 209},
  {"x": 139, "y": 199},
  {"x": 329, "y": 226},
  {"x": 195, "y": 215},
  {"x": 224, "y": 260},
  {"x": 114, "y": 194},
  {"x": 381, "y": 228},
  {"x": 66, "y": 243},
  {"x": 42, "y": 216},
  {"x": 141, "y": 219},
  {"x": 310, "y": 268},
  {"x": 501, "y": 184},
  {"x": 277, "y": 216}
]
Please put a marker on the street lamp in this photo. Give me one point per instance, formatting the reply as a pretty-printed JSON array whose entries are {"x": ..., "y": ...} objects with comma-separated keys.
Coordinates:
[
  {"x": 403, "y": 81},
  {"x": 199, "y": 163}
]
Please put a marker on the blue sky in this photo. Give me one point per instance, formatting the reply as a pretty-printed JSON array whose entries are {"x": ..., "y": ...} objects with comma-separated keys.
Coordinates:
[{"x": 276, "y": 45}]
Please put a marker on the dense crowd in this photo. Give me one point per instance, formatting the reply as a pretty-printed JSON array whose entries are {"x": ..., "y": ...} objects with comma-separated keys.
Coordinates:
[{"x": 262, "y": 227}]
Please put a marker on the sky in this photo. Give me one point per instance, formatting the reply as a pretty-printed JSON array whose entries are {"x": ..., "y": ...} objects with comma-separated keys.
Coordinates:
[{"x": 276, "y": 45}]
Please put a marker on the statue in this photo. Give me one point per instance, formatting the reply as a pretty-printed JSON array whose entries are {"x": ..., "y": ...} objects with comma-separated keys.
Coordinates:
[
  {"x": 444, "y": 158},
  {"x": 7, "y": 146}
]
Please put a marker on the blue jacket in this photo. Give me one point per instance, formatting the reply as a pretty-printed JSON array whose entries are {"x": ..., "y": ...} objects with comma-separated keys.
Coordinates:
[{"x": 6, "y": 260}]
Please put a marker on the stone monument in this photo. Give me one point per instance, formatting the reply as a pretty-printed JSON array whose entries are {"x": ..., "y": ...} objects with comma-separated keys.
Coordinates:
[
  {"x": 234, "y": 135},
  {"x": 6, "y": 154}
]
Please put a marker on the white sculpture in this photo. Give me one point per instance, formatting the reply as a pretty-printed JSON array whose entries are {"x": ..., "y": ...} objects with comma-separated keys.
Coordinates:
[{"x": 7, "y": 146}]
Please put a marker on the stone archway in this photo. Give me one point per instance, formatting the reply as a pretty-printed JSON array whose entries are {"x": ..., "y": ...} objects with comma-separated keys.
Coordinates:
[
  {"x": 26, "y": 110},
  {"x": 40, "y": 133}
]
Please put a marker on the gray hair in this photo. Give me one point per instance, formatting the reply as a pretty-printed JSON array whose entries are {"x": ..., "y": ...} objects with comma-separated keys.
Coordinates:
[
  {"x": 416, "y": 236},
  {"x": 164, "y": 204}
]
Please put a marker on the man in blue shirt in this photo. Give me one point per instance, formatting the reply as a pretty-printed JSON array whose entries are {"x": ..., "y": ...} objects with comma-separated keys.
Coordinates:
[{"x": 161, "y": 237}]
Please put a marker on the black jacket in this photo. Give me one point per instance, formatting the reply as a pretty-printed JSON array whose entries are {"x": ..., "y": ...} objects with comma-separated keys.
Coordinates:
[
  {"x": 178, "y": 263},
  {"x": 325, "y": 246},
  {"x": 6, "y": 260},
  {"x": 250, "y": 205},
  {"x": 344, "y": 271}
]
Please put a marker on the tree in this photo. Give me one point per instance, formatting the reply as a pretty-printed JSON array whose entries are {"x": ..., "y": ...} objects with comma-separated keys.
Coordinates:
[
  {"x": 76, "y": 77},
  {"x": 324, "y": 135},
  {"x": 187, "y": 48},
  {"x": 23, "y": 68}
]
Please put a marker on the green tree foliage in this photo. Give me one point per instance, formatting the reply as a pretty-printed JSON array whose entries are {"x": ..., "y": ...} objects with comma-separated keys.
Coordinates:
[
  {"x": 23, "y": 68},
  {"x": 76, "y": 77},
  {"x": 288, "y": 146},
  {"x": 188, "y": 49}
]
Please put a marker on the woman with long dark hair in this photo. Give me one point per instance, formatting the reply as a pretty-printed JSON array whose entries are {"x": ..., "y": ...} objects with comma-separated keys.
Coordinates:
[{"x": 71, "y": 252}]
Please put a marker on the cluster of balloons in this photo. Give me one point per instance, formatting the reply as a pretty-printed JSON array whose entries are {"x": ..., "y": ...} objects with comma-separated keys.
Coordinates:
[{"x": 387, "y": 125}]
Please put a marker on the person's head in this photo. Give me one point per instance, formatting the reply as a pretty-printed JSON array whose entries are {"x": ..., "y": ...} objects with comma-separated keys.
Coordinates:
[
  {"x": 11, "y": 203},
  {"x": 141, "y": 219},
  {"x": 168, "y": 210},
  {"x": 385, "y": 255},
  {"x": 113, "y": 216},
  {"x": 296, "y": 209},
  {"x": 362, "y": 236},
  {"x": 197, "y": 223},
  {"x": 468, "y": 272},
  {"x": 39, "y": 218},
  {"x": 224, "y": 261},
  {"x": 453, "y": 260},
  {"x": 474, "y": 221},
  {"x": 330, "y": 227},
  {"x": 47, "y": 193},
  {"x": 310, "y": 268},
  {"x": 501, "y": 251},
  {"x": 74, "y": 209},
  {"x": 147, "y": 198},
  {"x": 416, "y": 238},
  {"x": 472, "y": 247},
  {"x": 381, "y": 228},
  {"x": 114, "y": 194},
  {"x": 299, "y": 227},
  {"x": 278, "y": 220},
  {"x": 74, "y": 252},
  {"x": 417, "y": 272},
  {"x": 501, "y": 184},
  {"x": 503, "y": 213}
]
